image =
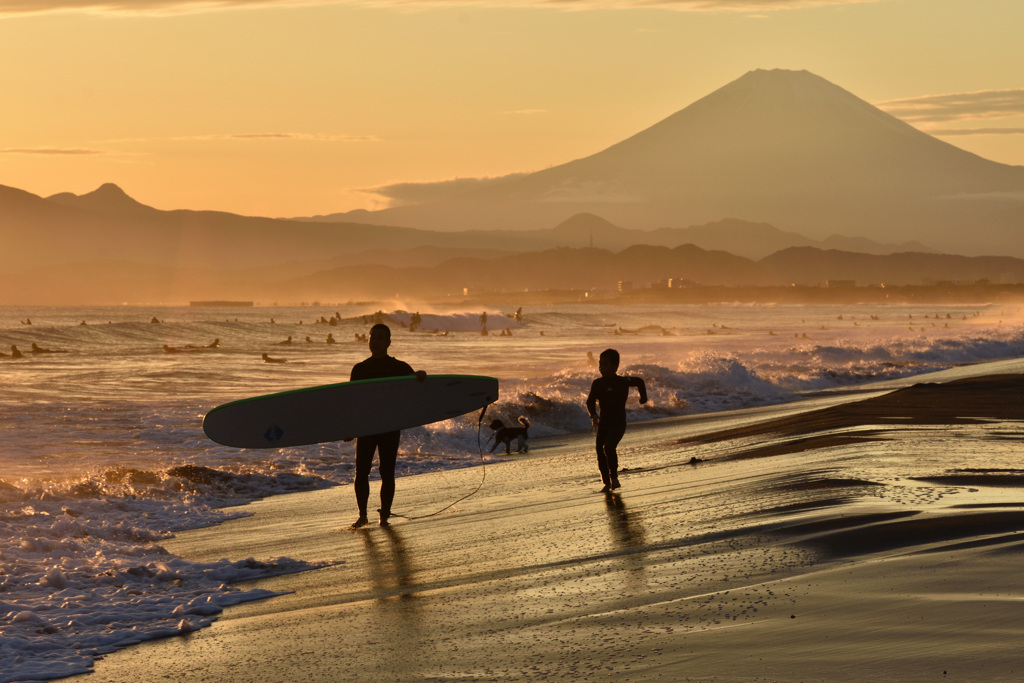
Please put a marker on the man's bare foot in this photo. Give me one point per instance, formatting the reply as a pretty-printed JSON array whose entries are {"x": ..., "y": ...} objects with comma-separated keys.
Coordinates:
[
  {"x": 362, "y": 521},
  {"x": 384, "y": 517}
]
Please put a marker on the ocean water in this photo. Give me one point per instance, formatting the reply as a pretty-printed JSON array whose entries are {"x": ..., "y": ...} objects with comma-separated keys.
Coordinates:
[{"x": 102, "y": 453}]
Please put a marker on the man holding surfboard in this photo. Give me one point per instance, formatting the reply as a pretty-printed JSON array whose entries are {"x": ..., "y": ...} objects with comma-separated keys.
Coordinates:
[{"x": 378, "y": 365}]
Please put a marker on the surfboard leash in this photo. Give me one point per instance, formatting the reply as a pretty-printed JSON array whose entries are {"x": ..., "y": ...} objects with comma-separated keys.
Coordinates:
[{"x": 483, "y": 470}]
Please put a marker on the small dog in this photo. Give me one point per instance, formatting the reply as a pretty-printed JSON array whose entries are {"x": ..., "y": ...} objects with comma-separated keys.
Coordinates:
[{"x": 505, "y": 435}]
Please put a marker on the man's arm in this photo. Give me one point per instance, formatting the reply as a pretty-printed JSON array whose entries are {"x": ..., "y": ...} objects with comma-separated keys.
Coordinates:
[{"x": 419, "y": 374}]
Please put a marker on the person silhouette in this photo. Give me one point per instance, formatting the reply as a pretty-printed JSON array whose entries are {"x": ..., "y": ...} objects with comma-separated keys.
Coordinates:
[
  {"x": 38, "y": 349},
  {"x": 378, "y": 365},
  {"x": 606, "y": 404}
]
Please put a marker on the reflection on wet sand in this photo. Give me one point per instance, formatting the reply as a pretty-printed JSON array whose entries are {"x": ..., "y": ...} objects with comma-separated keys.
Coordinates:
[
  {"x": 393, "y": 613},
  {"x": 627, "y": 533},
  {"x": 390, "y": 569}
]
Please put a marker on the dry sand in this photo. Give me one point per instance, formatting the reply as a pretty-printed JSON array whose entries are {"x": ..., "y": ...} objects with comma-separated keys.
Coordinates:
[{"x": 844, "y": 539}]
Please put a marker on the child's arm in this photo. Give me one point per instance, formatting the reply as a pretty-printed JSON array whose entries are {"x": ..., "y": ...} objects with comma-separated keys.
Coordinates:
[
  {"x": 592, "y": 405},
  {"x": 638, "y": 382}
]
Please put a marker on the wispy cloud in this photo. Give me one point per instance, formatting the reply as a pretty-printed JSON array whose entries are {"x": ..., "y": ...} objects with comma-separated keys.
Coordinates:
[
  {"x": 985, "y": 104},
  {"x": 314, "y": 137},
  {"x": 931, "y": 111},
  {"x": 241, "y": 137},
  {"x": 9, "y": 7},
  {"x": 399, "y": 194},
  {"x": 1009, "y": 130},
  {"x": 53, "y": 151},
  {"x": 209, "y": 137}
]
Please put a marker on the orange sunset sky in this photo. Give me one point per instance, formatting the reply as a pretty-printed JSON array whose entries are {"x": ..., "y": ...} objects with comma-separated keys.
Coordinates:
[{"x": 287, "y": 108}]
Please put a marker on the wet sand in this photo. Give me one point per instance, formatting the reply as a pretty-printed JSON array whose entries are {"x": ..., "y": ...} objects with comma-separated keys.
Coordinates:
[{"x": 843, "y": 539}]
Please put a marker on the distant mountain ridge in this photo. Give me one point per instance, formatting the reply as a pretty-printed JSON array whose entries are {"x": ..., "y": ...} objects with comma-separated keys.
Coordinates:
[
  {"x": 108, "y": 198},
  {"x": 752, "y": 240},
  {"x": 561, "y": 269},
  {"x": 109, "y": 224}
]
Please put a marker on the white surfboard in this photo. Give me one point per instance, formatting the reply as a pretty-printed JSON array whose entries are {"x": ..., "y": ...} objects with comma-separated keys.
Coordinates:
[{"x": 347, "y": 410}]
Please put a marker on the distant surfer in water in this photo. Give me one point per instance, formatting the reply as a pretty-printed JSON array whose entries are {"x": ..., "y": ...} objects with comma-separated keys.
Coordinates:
[
  {"x": 606, "y": 404},
  {"x": 38, "y": 349},
  {"x": 378, "y": 365}
]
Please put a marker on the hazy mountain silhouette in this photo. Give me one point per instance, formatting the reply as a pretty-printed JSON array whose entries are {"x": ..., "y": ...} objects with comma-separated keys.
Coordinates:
[
  {"x": 564, "y": 268},
  {"x": 646, "y": 265},
  {"x": 742, "y": 238},
  {"x": 107, "y": 224},
  {"x": 108, "y": 198},
  {"x": 783, "y": 147},
  {"x": 812, "y": 266}
]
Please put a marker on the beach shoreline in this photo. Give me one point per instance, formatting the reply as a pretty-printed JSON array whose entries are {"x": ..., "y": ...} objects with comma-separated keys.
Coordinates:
[{"x": 844, "y": 538}]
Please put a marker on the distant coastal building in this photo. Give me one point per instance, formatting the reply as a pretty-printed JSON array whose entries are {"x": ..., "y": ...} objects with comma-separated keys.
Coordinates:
[
  {"x": 834, "y": 284},
  {"x": 220, "y": 303},
  {"x": 625, "y": 285}
]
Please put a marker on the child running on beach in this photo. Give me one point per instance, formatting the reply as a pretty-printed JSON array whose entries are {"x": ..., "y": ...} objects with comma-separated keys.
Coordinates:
[{"x": 606, "y": 404}]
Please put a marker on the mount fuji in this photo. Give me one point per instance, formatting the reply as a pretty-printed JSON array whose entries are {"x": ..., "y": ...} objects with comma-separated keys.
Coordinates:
[{"x": 787, "y": 148}]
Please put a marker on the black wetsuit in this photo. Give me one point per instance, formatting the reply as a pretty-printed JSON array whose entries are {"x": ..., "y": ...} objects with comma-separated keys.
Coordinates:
[
  {"x": 610, "y": 394},
  {"x": 385, "y": 444}
]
